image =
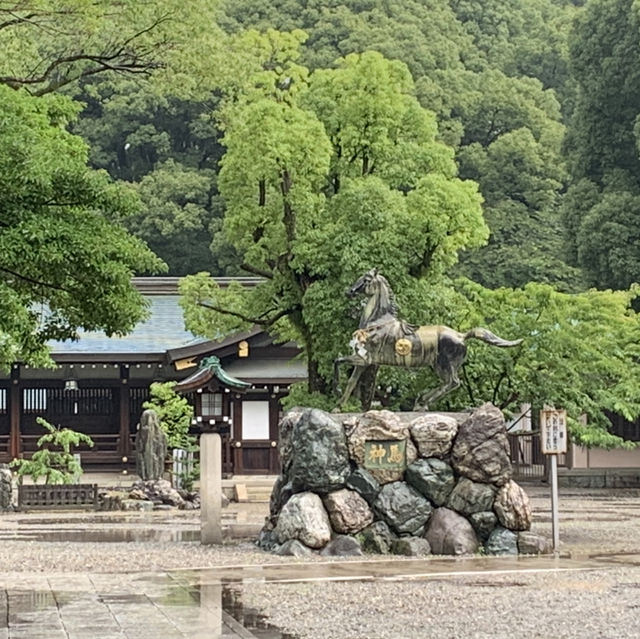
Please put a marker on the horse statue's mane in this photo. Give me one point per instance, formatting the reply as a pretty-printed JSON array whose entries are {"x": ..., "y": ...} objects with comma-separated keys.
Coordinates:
[
  {"x": 386, "y": 300},
  {"x": 386, "y": 306}
]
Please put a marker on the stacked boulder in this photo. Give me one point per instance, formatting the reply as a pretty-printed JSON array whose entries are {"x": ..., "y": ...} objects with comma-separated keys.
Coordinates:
[
  {"x": 402, "y": 483},
  {"x": 152, "y": 494}
]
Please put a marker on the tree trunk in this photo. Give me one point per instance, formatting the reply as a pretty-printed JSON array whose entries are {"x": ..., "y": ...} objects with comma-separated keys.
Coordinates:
[{"x": 315, "y": 381}]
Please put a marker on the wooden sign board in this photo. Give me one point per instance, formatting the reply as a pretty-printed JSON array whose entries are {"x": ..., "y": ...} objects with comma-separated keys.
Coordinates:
[{"x": 553, "y": 431}]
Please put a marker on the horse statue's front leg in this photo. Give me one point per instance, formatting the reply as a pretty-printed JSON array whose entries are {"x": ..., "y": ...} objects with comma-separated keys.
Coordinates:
[{"x": 359, "y": 366}]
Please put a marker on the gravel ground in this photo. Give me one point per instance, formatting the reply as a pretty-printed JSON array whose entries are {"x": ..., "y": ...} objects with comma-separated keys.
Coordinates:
[
  {"x": 595, "y": 603},
  {"x": 603, "y": 602}
]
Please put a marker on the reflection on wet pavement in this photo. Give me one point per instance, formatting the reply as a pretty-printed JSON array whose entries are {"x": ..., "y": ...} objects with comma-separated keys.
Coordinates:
[
  {"x": 119, "y": 607},
  {"x": 113, "y": 535},
  {"x": 207, "y": 603},
  {"x": 385, "y": 570},
  {"x": 123, "y": 529}
]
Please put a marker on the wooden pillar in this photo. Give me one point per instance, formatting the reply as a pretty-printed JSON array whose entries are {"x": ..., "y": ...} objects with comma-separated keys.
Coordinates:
[
  {"x": 124, "y": 440},
  {"x": 274, "y": 413},
  {"x": 15, "y": 447},
  {"x": 238, "y": 466}
]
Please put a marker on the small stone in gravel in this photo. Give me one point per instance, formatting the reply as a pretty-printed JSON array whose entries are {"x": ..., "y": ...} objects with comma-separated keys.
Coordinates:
[
  {"x": 293, "y": 548},
  {"x": 136, "y": 504},
  {"x": 502, "y": 542},
  {"x": 342, "y": 546},
  {"x": 411, "y": 546}
]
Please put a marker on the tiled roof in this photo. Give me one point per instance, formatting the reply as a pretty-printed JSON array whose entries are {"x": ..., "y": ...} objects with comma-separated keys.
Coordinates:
[{"x": 162, "y": 331}]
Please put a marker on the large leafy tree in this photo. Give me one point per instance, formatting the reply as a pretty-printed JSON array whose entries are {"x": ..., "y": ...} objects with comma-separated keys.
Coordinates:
[
  {"x": 580, "y": 352},
  {"x": 512, "y": 147},
  {"x": 601, "y": 207},
  {"x": 323, "y": 180},
  {"x": 468, "y": 60},
  {"x": 63, "y": 264}
]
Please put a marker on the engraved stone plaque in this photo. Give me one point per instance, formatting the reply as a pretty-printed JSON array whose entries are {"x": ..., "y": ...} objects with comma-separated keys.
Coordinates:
[{"x": 388, "y": 454}]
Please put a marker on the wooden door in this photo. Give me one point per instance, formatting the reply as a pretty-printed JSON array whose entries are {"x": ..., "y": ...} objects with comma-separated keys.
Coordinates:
[{"x": 255, "y": 425}]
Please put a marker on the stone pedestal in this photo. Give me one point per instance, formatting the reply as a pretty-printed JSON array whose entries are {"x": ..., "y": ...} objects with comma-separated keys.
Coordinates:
[{"x": 396, "y": 482}]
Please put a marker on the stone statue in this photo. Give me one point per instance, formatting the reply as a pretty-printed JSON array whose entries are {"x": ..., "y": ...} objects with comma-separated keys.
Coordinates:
[
  {"x": 6, "y": 488},
  {"x": 151, "y": 447},
  {"x": 384, "y": 339}
]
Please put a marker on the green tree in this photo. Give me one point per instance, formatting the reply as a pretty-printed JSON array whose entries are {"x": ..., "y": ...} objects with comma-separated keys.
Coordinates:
[
  {"x": 580, "y": 352},
  {"x": 512, "y": 147},
  {"x": 177, "y": 214},
  {"x": 174, "y": 412},
  {"x": 54, "y": 459},
  {"x": 322, "y": 182},
  {"x": 63, "y": 265},
  {"x": 601, "y": 206},
  {"x": 521, "y": 37}
]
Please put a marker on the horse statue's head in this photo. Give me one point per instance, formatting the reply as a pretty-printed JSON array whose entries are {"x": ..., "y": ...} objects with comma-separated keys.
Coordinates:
[{"x": 381, "y": 300}]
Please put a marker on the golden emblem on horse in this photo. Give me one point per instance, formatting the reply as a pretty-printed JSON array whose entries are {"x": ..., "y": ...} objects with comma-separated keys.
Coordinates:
[
  {"x": 382, "y": 338},
  {"x": 403, "y": 347}
]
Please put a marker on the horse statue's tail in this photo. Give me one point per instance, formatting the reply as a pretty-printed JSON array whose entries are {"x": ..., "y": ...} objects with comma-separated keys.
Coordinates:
[{"x": 487, "y": 336}]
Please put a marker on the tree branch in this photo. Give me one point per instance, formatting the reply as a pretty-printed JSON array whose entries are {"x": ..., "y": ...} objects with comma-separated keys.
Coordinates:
[
  {"x": 31, "y": 280},
  {"x": 245, "y": 318},
  {"x": 256, "y": 271},
  {"x": 115, "y": 57},
  {"x": 467, "y": 382}
]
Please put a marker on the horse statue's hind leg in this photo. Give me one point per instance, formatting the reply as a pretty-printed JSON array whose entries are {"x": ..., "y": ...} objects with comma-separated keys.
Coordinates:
[
  {"x": 367, "y": 388},
  {"x": 452, "y": 352},
  {"x": 451, "y": 382}
]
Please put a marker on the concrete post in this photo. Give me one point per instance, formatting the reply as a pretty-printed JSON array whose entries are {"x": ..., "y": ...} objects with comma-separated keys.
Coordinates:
[{"x": 210, "y": 489}]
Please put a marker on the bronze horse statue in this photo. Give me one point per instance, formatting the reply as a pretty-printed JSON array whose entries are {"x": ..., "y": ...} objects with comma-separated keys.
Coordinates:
[{"x": 383, "y": 339}]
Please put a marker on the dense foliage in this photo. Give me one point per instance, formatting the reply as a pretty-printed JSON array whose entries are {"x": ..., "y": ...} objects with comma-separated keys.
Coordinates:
[
  {"x": 601, "y": 207},
  {"x": 63, "y": 264},
  {"x": 174, "y": 413},
  {"x": 305, "y": 142}
]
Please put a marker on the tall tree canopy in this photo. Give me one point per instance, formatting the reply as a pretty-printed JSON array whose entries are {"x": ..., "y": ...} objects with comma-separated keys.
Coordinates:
[
  {"x": 63, "y": 264},
  {"x": 602, "y": 205},
  {"x": 468, "y": 60},
  {"x": 322, "y": 180}
]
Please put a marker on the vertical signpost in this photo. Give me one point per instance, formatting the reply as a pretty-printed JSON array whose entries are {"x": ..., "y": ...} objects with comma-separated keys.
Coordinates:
[{"x": 553, "y": 436}]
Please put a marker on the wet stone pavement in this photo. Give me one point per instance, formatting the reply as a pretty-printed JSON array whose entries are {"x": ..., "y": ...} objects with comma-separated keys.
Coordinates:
[
  {"x": 115, "y": 607},
  {"x": 93, "y": 576},
  {"x": 196, "y": 604}
]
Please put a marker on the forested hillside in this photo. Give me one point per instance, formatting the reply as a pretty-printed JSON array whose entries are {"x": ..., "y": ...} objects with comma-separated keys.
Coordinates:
[
  {"x": 482, "y": 153},
  {"x": 495, "y": 74}
]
